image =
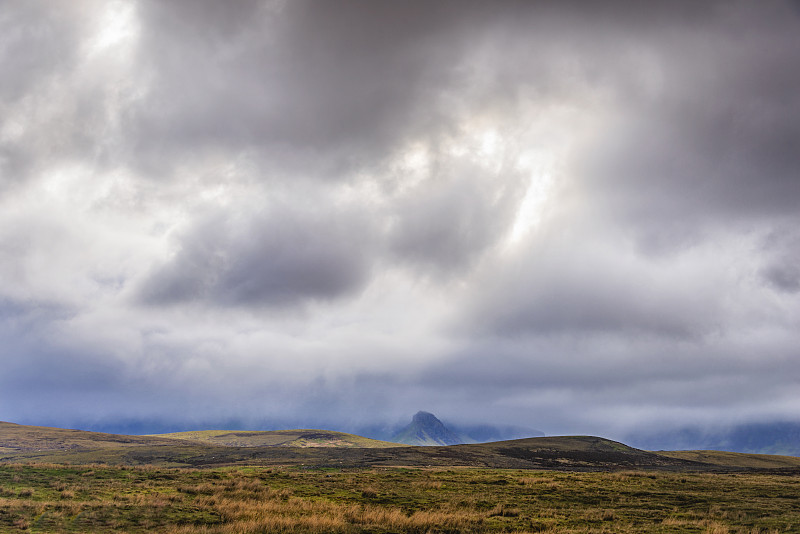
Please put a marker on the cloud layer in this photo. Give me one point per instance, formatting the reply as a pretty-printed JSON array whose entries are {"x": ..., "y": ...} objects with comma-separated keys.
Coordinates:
[{"x": 568, "y": 217}]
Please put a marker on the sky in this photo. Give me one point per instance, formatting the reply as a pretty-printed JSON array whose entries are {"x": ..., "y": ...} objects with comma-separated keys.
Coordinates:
[{"x": 578, "y": 217}]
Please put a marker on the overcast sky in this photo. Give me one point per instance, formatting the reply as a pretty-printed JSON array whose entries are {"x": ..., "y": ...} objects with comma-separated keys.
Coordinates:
[{"x": 578, "y": 217}]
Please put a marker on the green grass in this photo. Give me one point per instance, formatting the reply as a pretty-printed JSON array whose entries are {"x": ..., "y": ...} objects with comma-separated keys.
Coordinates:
[{"x": 57, "y": 498}]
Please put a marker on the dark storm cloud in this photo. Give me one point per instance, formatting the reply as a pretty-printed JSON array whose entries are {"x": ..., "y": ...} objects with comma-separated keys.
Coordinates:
[
  {"x": 574, "y": 293},
  {"x": 784, "y": 277},
  {"x": 321, "y": 86},
  {"x": 330, "y": 87},
  {"x": 274, "y": 259},
  {"x": 718, "y": 138},
  {"x": 781, "y": 251}
]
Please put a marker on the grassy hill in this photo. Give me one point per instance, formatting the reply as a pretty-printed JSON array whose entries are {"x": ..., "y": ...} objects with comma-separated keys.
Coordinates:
[
  {"x": 277, "y": 438},
  {"x": 22, "y": 443},
  {"x": 23, "y": 438},
  {"x": 19, "y": 443},
  {"x": 320, "y": 448}
]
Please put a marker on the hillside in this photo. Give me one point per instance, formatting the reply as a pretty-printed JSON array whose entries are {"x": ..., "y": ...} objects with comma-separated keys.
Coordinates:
[
  {"x": 318, "y": 448},
  {"x": 208, "y": 448},
  {"x": 24, "y": 438},
  {"x": 277, "y": 438}
]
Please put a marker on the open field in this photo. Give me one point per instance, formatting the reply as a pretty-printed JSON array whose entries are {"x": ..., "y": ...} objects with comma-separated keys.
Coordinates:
[{"x": 52, "y": 498}]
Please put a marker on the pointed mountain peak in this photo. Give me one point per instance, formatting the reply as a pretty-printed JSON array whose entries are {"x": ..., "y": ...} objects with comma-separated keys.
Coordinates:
[
  {"x": 426, "y": 429},
  {"x": 426, "y": 418}
]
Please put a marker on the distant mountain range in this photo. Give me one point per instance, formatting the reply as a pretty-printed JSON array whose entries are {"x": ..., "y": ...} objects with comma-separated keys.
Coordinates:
[
  {"x": 757, "y": 438},
  {"x": 426, "y": 429}
]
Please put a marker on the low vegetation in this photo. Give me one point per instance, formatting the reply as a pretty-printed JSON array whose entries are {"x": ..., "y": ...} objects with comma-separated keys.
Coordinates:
[
  {"x": 101, "y": 498},
  {"x": 277, "y": 438},
  {"x": 308, "y": 481}
]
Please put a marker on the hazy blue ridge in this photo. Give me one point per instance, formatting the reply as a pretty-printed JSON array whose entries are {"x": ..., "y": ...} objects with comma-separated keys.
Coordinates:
[{"x": 758, "y": 438}]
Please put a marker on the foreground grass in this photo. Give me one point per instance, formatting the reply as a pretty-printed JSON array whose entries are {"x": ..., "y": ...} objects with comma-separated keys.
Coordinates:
[{"x": 54, "y": 498}]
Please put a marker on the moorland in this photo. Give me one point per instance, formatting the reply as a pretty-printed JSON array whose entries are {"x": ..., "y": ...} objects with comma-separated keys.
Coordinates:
[{"x": 58, "y": 480}]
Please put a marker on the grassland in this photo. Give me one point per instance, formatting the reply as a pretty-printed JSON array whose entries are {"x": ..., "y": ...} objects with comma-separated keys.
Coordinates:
[
  {"x": 25, "y": 438},
  {"x": 304, "y": 481},
  {"x": 278, "y": 438},
  {"x": 94, "y": 498}
]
